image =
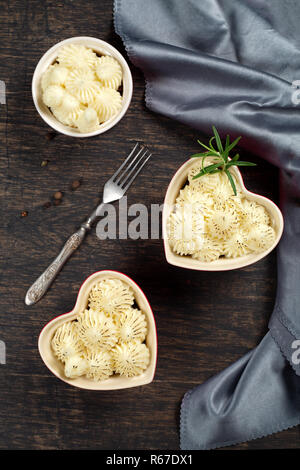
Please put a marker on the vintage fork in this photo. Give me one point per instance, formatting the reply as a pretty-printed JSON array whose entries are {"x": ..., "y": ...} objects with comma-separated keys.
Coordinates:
[{"x": 114, "y": 189}]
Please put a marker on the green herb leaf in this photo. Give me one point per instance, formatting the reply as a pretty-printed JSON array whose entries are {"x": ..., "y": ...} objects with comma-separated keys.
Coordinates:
[
  {"x": 207, "y": 169},
  {"x": 218, "y": 140},
  {"x": 220, "y": 158},
  {"x": 231, "y": 181},
  {"x": 227, "y": 142},
  {"x": 210, "y": 141},
  {"x": 230, "y": 147},
  {"x": 233, "y": 144},
  {"x": 238, "y": 163},
  {"x": 226, "y": 152},
  {"x": 204, "y": 146}
]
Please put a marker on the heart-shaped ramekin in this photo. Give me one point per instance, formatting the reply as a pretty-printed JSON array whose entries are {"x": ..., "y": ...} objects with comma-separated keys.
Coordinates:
[
  {"x": 222, "y": 264},
  {"x": 115, "y": 382}
]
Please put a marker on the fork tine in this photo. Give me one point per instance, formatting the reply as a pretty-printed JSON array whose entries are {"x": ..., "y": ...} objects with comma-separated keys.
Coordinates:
[
  {"x": 128, "y": 166},
  {"x": 137, "y": 172},
  {"x": 125, "y": 161},
  {"x": 126, "y": 176}
]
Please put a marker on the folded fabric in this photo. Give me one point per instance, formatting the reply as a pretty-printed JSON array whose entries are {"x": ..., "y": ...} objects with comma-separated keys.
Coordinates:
[
  {"x": 255, "y": 396},
  {"x": 234, "y": 64}
]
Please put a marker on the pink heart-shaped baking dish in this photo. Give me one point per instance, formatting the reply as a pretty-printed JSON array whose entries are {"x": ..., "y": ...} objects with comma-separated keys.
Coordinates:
[
  {"x": 114, "y": 382},
  {"x": 222, "y": 264}
]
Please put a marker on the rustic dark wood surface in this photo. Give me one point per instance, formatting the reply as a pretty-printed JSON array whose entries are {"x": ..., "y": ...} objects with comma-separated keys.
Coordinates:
[{"x": 205, "y": 320}]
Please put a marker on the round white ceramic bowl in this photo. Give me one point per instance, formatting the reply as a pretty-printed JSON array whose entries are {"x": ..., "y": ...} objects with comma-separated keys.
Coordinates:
[
  {"x": 222, "y": 264},
  {"x": 114, "y": 382},
  {"x": 101, "y": 48}
]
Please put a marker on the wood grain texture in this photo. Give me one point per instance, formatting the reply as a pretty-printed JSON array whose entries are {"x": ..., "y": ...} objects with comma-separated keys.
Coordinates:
[{"x": 205, "y": 320}]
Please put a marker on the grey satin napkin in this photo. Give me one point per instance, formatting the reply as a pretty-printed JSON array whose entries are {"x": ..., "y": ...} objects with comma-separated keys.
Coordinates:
[{"x": 234, "y": 63}]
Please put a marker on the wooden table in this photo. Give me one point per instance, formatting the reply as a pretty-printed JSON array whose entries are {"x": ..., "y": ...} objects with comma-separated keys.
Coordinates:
[{"x": 205, "y": 321}]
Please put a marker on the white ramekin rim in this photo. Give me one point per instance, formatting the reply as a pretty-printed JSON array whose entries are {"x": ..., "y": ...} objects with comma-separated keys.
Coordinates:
[{"x": 48, "y": 58}]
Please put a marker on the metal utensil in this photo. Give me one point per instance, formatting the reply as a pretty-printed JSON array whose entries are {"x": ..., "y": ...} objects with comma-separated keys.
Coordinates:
[{"x": 114, "y": 189}]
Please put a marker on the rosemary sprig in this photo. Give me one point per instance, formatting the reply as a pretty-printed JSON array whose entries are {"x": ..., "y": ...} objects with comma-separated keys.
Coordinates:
[{"x": 221, "y": 160}]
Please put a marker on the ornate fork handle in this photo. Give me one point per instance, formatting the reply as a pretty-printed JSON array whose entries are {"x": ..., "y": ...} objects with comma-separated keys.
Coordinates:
[
  {"x": 114, "y": 189},
  {"x": 41, "y": 285}
]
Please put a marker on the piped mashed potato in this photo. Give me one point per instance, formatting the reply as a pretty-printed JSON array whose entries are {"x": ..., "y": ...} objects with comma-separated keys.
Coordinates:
[
  {"x": 208, "y": 222},
  {"x": 106, "y": 338},
  {"x": 82, "y": 89}
]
